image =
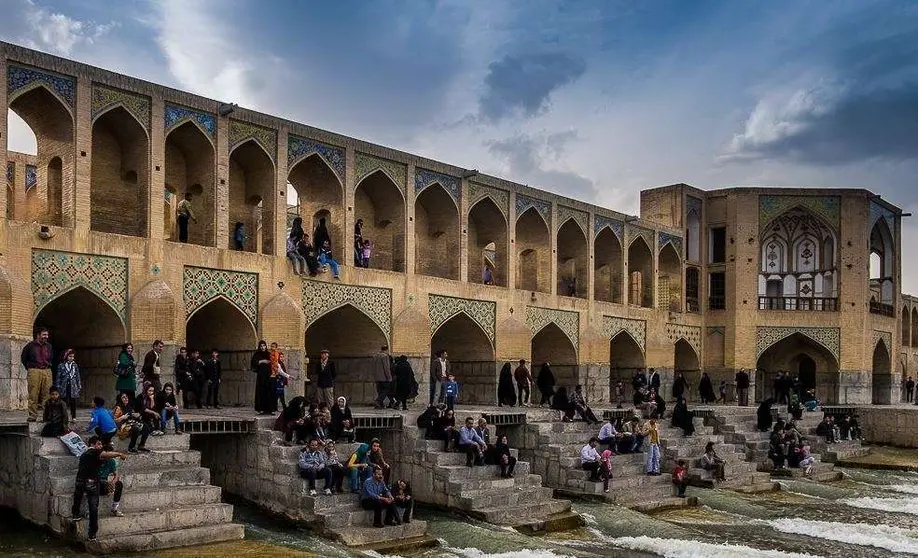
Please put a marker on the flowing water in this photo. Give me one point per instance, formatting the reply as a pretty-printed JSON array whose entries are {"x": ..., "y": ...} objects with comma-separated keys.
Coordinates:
[{"x": 872, "y": 513}]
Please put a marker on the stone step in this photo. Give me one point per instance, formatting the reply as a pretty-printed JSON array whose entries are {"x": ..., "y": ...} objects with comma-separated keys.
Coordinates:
[
  {"x": 456, "y": 473},
  {"x": 689, "y": 452},
  {"x": 840, "y": 452},
  {"x": 146, "y": 499},
  {"x": 514, "y": 515},
  {"x": 618, "y": 460},
  {"x": 357, "y": 536},
  {"x": 515, "y": 496},
  {"x": 153, "y": 478},
  {"x": 468, "y": 488},
  {"x": 694, "y": 440},
  {"x": 560, "y": 426},
  {"x": 146, "y": 542},
  {"x": 53, "y": 446},
  {"x": 152, "y": 521},
  {"x": 67, "y": 464},
  {"x": 439, "y": 458}
]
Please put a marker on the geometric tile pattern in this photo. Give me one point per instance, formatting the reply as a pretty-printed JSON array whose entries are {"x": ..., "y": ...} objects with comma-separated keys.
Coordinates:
[
  {"x": 692, "y": 334},
  {"x": 501, "y": 198},
  {"x": 19, "y": 78},
  {"x": 299, "y": 148},
  {"x": 320, "y": 298},
  {"x": 579, "y": 217},
  {"x": 424, "y": 178},
  {"x": 525, "y": 202},
  {"x": 55, "y": 273},
  {"x": 885, "y": 336},
  {"x": 600, "y": 222},
  {"x": 365, "y": 165},
  {"x": 200, "y": 285},
  {"x": 637, "y": 329},
  {"x": 104, "y": 98},
  {"x": 243, "y": 131},
  {"x": 828, "y": 337},
  {"x": 176, "y": 116},
  {"x": 716, "y": 329},
  {"x": 31, "y": 176},
  {"x": 482, "y": 312},
  {"x": 666, "y": 238},
  {"x": 879, "y": 211},
  {"x": 10, "y": 172},
  {"x": 827, "y": 207},
  {"x": 568, "y": 322},
  {"x": 693, "y": 205},
  {"x": 635, "y": 231}
]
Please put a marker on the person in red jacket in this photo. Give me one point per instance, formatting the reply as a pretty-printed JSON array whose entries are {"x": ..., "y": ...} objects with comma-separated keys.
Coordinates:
[{"x": 680, "y": 478}]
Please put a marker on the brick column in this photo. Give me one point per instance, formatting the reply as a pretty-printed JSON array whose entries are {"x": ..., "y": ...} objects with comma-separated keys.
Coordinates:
[
  {"x": 77, "y": 213},
  {"x": 19, "y": 193},
  {"x": 350, "y": 216},
  {"x": 464, "y": 230},
  {"x": 221, "y": 192},
  {"x": 410, "y": 239},
  {"x": 553, "y": 240},
  {"x": 512, "y": 257},
  {"x": 4, "y": 138},
  {"x": 591, "y": 260},
  {"x": 626, "y": 272},
  {"x": 157, "y": 169},
  {"x": 655, "y": 252},
  {"x": 280, "y": 194}
]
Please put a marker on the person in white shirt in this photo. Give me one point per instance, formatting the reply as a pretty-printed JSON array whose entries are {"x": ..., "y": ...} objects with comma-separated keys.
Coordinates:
[
  {"x": 608, "y": 436},
  {"x": 589, "y": 459}
]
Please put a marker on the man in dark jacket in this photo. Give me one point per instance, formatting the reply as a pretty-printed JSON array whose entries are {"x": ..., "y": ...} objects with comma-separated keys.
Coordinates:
[
  {"x": 382, "y": 374},
  {"x": 325, "y": 378},
  {"x": 654, "y": 380},
  {"x": 36, "y": 358},
  {"x": 151, "y": 370},
  {"x": 213, "y": 372},
  {"x": 742, "y": 387}
]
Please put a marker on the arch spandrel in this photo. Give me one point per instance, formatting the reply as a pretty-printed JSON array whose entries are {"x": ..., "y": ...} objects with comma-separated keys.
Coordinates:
[
  {"x": 828, "y": 337},
  {"x": 56, "y": 273},
  {"x": 299, "y": 149},
  {"x": 568, "y": 322},
  {"x": 482, "y": 312},
  {"x": 200, "y": 285},
  {"x": 636, "y": 329},
  {"x": 320, "y": 298}
]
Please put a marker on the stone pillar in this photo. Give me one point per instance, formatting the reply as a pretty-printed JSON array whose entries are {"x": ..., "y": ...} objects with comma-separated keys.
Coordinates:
[
  {"x": 410, "y": 240},
  {"x": 221, "y": 196},
  {"x": 512, "y": 257},
  {"x": 280, "y": 194},
  {"x": 4, "y": 138},
  {"x": 19, "y": 202},
  {"x": 655, "y": 254},
  {"x": 464, "y": 231},
  {"x": 157, "y": 169},
  {"x": 626, "y": 272},
  {"x": 553, "y": 240},
  {"x": 78, "y": 213},
  {"x": 591, "y": 260},
  {"x": 350, "y": 216}
]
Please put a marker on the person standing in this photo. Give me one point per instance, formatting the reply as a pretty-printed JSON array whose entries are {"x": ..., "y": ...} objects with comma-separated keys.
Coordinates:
[
  {"x": 358, "y": 243},
  {"x": 654, "y": 380},
  {"x": 909, "y": 389},
  {"x": 438, "y": 373},
  {"x": 182, "y": 369},
  {"x": 87, "y": 483},
  {"x": 214, "y": 375},
  {"x": 265, "y": 396},
  {"x": 405, "y": 384},
  {"x": 742, "y": 387},
  {"x": 151, "y": 370},
  {"x": 506, "y": 392},
  {"x": 36, "y": 358},
  {"x": 523, "y": 383},
  {"x": 382, "y": 373},
  {"x": 652, "y": 435},
  {"x": 680, "y": 386},
  {"x": 325, "y": 378},
  {"x": 126, "y": 370},
  {"x": 546, "y": 384},
  {"x": 185, "y": 214},
  {"x": 68, "y": 381},
  {"x": 320, "y": 236}
]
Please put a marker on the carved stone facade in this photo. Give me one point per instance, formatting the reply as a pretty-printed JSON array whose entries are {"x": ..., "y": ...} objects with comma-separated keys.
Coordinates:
[
  {"x": 828, "y": 337},
  {"x": 637, "y": 329},
  {"x": 320, "y": 298},
  {"x": 482, "y": 312},
  {"x": 568, "y": 322}
]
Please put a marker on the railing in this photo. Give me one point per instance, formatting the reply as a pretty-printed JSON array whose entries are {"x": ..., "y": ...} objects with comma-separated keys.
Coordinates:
[
  {"x": 692, "y": 305},
  {"x": 194, "y": 425},
  {"x": 717, "y": 303},
  {"x": 505, "y": 419},
  {"x": 882, "y": 309},
  {"x": 374, "y": 422},
  {"x": 797, "y": 303}
]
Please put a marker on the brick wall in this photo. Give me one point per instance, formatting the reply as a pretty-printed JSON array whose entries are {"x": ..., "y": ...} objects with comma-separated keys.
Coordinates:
[
  {"x": 381, "y": 206},
  {"x": 533, "y": 253},
  {"x": 120, "y": 174},
  {"x": 436, "y": 229}
]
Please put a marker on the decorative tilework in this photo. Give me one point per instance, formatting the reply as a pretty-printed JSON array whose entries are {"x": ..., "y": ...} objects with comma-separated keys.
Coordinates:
[
  {"x": 634, "y": 232},
  {"x": 501, "y": 198},
  {"x": 104, "y": 98},
  {"x": 692, "y": 334},
  {"x": 424, "y": 178},
  {"x": 365, "y": 165},
  {"x": 828, "y": 337},
  {"x": 241, "y": 132},
  {"x": 10, "y": 172},
  {"x": 525, "y": 202},
  {"x": 637, "y": 329},
  {"x": 176, "y": 116},
  {"x": 665, "y": 238},
  {"x": 320, "y": 298},
  {"x": 568, "y": 322},
  {"x": 582, "y": 218},
  {"x": 879, "y": 211},
  {"x": 771, "y": 206},
  {"x": 31, "y": 176},
  {"x": 299, "y": 148},
  {"x": 56, "y": 273},
  {"x": 885, "y": 336},
  {"x": 200, "y": 285},
  {"x": 20, "y": 79},
  {"x": 693, "y": 204},
  {"x": 482, "y": 312},
  {"x": 600, "y": 222},
  {"x": 716, "y": 329}
]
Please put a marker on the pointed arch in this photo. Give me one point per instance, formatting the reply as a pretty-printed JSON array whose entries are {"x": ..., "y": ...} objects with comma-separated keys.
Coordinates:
[
  {"x": 487, "y": 225},
  {"x": 190, "y": 168},
  {"x": 572, "y": 260},
  {"x": 608, "y": 263},
  {"x": 685, "y": 357},
  {"x": 120, "y": 106},
  {"x": 252, "y": 200},
  {"x": 550, "y": 344},
  {"x": 348, "y": 310},
  {"x": 320, "y": 194},
  {"x": 640, "y": 273},
  {"x": 881, "y": 382},
  {"x": 533, "y": 251},
  {"x": 802, "y": 355},
  {"x": 436, "y": 228},
  {"x": 906, "y": 330},
  {"x": 669, "y": 278},
  {"x": 120, "y": 173},
  {"x": 41, "y": 85},
  {"x": 471, "y": 357},
  {"x": 914, "y": 328},
  {"x": 211, "y": 300},
  {"x": 625, "y": 358},
  {"x": 380, "y": 203}
]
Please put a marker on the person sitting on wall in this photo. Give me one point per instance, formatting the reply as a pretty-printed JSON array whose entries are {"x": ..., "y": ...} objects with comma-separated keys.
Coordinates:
[
  {"x": 308, "y": 252},
  {"x": 429, "y": 420},
  {"x": 293, "y": 422},
  {"x": 326, "y": 258},
  {"x": 810, "y": 402},
  {"x": 377, "y": 497}
]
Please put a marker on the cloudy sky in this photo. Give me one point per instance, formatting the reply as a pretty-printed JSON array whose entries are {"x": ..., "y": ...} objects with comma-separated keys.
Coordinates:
[{"x": 594, "y": 100}]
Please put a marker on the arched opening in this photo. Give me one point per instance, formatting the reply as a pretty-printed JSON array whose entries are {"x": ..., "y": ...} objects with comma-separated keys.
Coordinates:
[
  {"x": 685, "y": 360},
  {"x": 379, "y": 202},
  {"x": 320, "y": 195},
  {"x": 487, "y": 242},
  {"x": 552, "y": 345},
  {"x": 640, "y": 266},
  {"x": 251, "y": 198},
  {"x": 692, "y": 289},
  {"x": 190, "y": 169},
  {"x": 573, "y": 271},
  {"x": 607, "y": 279},
  {"x": 221, "y": 325},
  {"x": 882, "y": 377},
  {"x": 625, "y": 358},
  {"x": 914, "y": 328},
  {"x": 471, "y": 358},
  {"x": 120, "y": 174},
  {"x": 906, "y": 331},
  {"x": 882, "y": 269},
  {"x": 794, "y": 354},
  {"x": 670, "y": 279},
  {"x": 52, "y": 124},
  {"x": 436, "y": 234},
  {"x": 96, "y": 337},
  {"x": 693, "y": 236},
  {"x": 533, "y": 248}
]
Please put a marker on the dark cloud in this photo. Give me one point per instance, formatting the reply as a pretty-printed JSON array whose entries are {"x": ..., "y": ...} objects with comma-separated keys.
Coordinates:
[
  {"x": 524, "y": 83},
  {"x": 524, "y": 155}
]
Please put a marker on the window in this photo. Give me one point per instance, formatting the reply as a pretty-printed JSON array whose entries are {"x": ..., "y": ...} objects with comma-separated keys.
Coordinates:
[
  {"x": 691, "y": 289},
  {"x": 718, "y": 290},
  {"x": 719, "y": 245}
]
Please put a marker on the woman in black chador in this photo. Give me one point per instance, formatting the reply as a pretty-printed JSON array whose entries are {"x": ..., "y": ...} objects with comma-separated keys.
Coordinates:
[
  {"x": 265, "y": 385},
  {"x": 506, "y": 392},
  {"x": 546, "y": 383},
  {"x": 682, "y": 418}
]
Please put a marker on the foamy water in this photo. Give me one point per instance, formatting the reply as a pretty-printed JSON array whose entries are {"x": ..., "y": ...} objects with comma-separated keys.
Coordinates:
[
  {"x": 903, "y": 488},
  {"x": 679, "y": 548},
  {"x": 524, "y": 553},
  {"x": 896, "y": 505},
  {"x": 886, "y": 537}
]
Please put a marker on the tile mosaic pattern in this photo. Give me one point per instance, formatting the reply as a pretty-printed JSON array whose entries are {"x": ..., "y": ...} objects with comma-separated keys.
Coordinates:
[
  {"x": 568, "y": 322},
  {"x": 827, "y": 207},
  {"x": 241, "y": 132},
  {"x": 828, "y": 337},
  {"x": 200, "y": 285},
  {"x": 582, "y": 218},
  {"x": 543, "y": 207},
  {"x": 601, "y": 221},
  {"x": 424, "y": 178},
  {"x": 31, "y": 176},
  {"x": 665, "y": 238},
  {"x": 20, "y": 79},
  {"x": 635, "y": 231},
  {"x": 637, "y": 329},
  {"x": 482, "y": 312},
  {"x": 365, "y": 165},
  {"x": 10, "y": 172},
  {"x": 693, "y": 204},
  {"x": 692, "y": 334},
  {"x": 716, "y": 330},
  {"x": 885, "y": 336},
  {"x": 177, "y": 115},
  {"x": 320, "y": 298},
  {"x": 877, "y": 212},
  {"x": 501, "y": 198},
  {"x": 55, "y": 273},
  {"x": 104, "y": 98},
  {"x": 299, "y": 148}
]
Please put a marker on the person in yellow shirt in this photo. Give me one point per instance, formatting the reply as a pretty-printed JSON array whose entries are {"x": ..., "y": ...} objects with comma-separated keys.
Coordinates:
[
  {"x": 652, "y": 436},
  {"x": 184, "y": 213}
]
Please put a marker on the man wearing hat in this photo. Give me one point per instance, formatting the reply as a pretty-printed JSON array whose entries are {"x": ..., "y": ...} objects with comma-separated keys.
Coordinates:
[{"x": 325, "y": 379}]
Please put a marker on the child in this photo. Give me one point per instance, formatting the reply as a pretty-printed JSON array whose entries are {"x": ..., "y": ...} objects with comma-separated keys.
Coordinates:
[
  {"x": 619, "y": 394},
  {"x": 605, "y": 469},
  {"x": 333, "y": 462},
  {"x": 723, "y": 392},
  {"x": 652, "y": 435},
  {"x": 806, "y": 460},
  {"x": 680, "y": 478},
  {"x": 56, "y": 417},
  {"x": 101, "y": 421},
  {"x": 168, "y": 408},
  {"x": 451, "y": 389},
  {"x": 278, "y": 372},
  {"x": 325, "y": 258},
  {"x": 365, "y": 252},
  {"x": 239, "y": 236}
]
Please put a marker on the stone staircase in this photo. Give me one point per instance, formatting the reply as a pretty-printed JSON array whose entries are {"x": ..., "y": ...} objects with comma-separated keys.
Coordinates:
[{"x": 168, "y": 500}]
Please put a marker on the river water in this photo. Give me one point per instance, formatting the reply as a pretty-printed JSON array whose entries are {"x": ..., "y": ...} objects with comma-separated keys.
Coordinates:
[{"x": 872, "y": 513}]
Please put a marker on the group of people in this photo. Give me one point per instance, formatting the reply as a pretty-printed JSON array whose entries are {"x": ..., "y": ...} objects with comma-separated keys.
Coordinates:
[
  {"x": 306, "y": 256},
  {"x": 474, "y": 439},
  {"x": 514, "y": 385},
  {"x": 301, "y": 421}
]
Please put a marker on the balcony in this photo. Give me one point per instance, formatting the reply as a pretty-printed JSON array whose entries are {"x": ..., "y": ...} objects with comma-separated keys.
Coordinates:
[
  {"x": 795, "y": 303},
  {"x": 882, "y": 309},
  {"x": 717, "y": 303}
]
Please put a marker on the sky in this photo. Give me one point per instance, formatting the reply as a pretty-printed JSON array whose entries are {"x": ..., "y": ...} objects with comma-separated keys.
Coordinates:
[{"x": 592, "y": 100}]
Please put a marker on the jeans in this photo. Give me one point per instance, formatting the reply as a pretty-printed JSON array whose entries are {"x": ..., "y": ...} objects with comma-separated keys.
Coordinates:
[
  {"x": 89, "y": 488},
  {"x": 378, "y": 507},
  {"x": 164, "y": 418},
  {"x": 299, "y": 262},
  {"x": 142, "y": 432},
  {"x": 436, "y": 391},
  {"x": 330, "y": 262},
  {"x": 105, "y": 487},
  {"x": 358, "y": 475},
  {"x": 652, "y": 462},
  {"x": 523, "y": 393},
  {"x": 451, "y": 402},
  {"x": 212, "y": 397},
  {"x": 312, "y": 474},
  {"x": 382, "y": 392},
  {"x": 593, "y": 468},
  {"x": 183, "y": 228}
]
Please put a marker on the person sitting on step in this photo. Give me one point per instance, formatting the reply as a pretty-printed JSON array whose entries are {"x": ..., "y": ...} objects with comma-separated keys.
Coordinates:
[
  {"x": 87, "y": 483},
  {"x": 404, "y": 502},
  {"x": 609, "y": 436},
  {"x": 312, "y": 466},
  {"x": 804, "y": 459},
  {"x": 376, "y": 496},
  {"x": 342, "y": 421},
  {"x": 826, "y": 429},
  {"x": 589, "y": 459},
  {"x": 168, "y": 408},
  {"x": 578, "y": 402},
  {"x": 502, "y": 455},
  {"x": 448, "y": 432},
  {"x": 101, "y": 421},
  {"x": 710, "y": 461},
  {"x": 429, "y": 420},
  {"x": 358, "y": 466},
  {"x": 333, "y": 462},
  {"x": 471, "y": 443},
  {"x": 55, "y": 415},
  {"x": 776, "y": 447},
  {"x": 484, "y": 431},
  {"x": 656, "y": 406},
  {"x": 149, "y": 412},
  {"x": 293, "y": 422},
  {"x": 130, "y": 424}
]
